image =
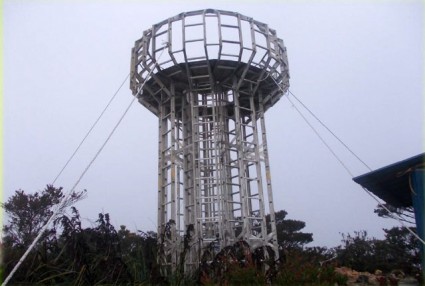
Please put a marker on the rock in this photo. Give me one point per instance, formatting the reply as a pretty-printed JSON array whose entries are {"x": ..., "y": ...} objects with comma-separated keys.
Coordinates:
[{"x": 364, "y": 279}]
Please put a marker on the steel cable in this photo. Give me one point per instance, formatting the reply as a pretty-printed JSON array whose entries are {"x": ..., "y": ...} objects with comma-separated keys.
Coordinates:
[{"x": 61, "y": 204}]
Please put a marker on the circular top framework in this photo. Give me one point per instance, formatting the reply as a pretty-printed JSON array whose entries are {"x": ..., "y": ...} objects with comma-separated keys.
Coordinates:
[{"x": 209, "y": 51}]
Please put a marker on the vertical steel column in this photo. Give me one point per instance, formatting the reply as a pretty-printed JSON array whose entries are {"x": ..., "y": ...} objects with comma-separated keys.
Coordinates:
[
  {"x": 256, "y": 151},
  {"x": 196, "y": 213},
  {"x": 241, "y": 167},
  {"x": 189, "y": 183},
  {"x": 171, "y": 156},
  {"x": 273, "y": 233},
  {"x": 162, "y": 183},
  {"x": 171, "y": 226}
]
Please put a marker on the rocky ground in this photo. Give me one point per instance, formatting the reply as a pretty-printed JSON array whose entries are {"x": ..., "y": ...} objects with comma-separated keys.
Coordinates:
[{"x": 378, "y": 278}]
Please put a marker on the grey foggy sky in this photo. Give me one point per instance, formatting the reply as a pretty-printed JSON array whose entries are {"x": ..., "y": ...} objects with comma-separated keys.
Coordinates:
[{"x": 358, "y": 66}]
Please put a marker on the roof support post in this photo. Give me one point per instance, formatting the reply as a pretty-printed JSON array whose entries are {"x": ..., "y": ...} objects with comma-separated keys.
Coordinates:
[{"x": 418, "y": 199}]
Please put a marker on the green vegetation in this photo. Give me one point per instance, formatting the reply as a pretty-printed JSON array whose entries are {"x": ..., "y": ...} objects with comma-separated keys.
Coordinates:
[
  {"x": 69, "y": 254},
  {"x": 399, "y": 250}
]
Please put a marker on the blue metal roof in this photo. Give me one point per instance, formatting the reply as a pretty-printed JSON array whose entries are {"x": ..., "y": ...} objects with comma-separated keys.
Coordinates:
[{"x": 392, "y": 183}]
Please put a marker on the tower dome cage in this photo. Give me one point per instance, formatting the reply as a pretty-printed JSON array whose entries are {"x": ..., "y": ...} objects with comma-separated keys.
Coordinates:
[
  {"x": 209, "y": 76},
  {"x": 206, "y": 50}
]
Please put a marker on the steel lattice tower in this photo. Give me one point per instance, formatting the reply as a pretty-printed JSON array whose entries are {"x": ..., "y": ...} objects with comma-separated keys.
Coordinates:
[{"x": 218, "y": 74}]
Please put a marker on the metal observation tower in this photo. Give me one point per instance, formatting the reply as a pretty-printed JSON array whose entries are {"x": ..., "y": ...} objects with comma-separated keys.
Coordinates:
[{"x": 217, "y": 75}]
